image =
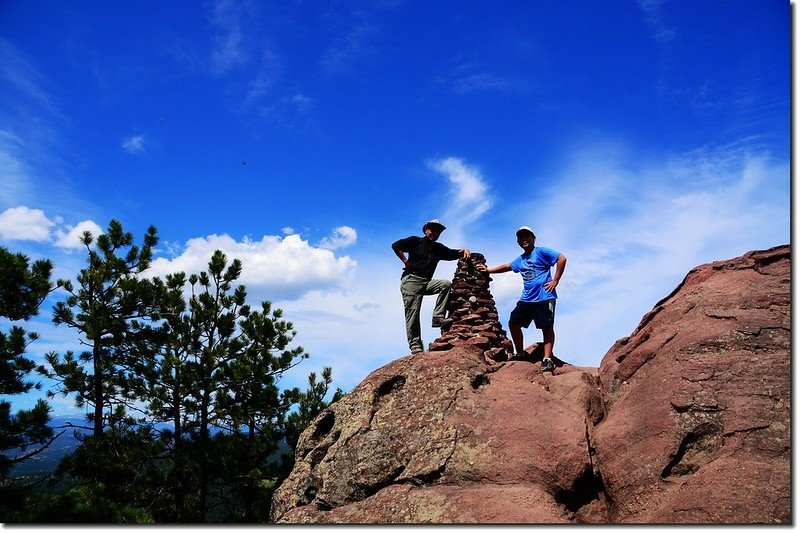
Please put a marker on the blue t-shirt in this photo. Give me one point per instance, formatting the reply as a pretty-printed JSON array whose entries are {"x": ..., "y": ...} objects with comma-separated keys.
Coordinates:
[{"x": 535, "y": 270}]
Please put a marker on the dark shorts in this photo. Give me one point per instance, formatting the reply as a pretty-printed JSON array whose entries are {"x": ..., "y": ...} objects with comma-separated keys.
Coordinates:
[{"x": 542, "y": 314}]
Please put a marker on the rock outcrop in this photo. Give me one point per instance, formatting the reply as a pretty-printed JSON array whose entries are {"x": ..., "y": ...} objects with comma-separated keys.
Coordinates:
[
  {"x": 685, "y": 421},
  {"x": 698, "y": 400}
]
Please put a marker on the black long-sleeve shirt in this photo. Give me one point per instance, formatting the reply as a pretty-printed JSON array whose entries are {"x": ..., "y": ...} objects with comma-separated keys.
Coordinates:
[{"x": 424, "y": 254}]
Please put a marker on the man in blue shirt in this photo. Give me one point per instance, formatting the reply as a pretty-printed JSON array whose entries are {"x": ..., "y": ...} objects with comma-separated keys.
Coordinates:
[
  {"x": 424, "y": 253},
  {"x": 537, "y": 303}
]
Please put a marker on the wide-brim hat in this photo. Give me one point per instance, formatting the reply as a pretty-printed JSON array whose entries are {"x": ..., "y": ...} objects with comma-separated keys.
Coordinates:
[
  {"x": 434, "y": 223},
  {"x": 525, "y": 229}
]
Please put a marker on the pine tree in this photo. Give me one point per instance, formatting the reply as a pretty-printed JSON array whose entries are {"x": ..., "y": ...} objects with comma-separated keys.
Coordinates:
[
  {"x": 254, "y": 407},
  {"x": 108, "y": 296},
  {"x": 202, "y": 370},
  {"x": 166, "y": 387},
  {"x": 26, "y": 433},
  {"x": 214, "y": 376}
]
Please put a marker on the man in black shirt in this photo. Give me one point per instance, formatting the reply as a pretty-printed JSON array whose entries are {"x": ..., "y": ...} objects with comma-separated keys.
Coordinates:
[{"x": 424, "y": 253}]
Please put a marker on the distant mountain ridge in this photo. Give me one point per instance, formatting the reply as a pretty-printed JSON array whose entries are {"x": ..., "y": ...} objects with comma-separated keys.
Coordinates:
[{"x": 65, "y": 444}]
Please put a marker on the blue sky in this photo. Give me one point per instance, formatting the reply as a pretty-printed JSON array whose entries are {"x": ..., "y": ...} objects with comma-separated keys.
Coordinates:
[{"x": 639, "y": 138}]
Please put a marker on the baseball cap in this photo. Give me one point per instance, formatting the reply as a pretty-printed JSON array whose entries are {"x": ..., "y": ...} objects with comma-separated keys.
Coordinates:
[
  {"x": 434, "y": 222},
  {"x": 524, "y": 229}
]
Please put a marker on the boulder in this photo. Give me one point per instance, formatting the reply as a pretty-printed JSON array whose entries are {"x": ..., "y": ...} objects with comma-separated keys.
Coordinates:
[
  {"x": 444, "y": 437},
  {"x": 698, "y": 399},
  {"x": 687, "y": 420}
]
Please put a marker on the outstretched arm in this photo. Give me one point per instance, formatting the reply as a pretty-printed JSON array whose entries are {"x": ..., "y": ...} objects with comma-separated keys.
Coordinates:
[{"x": 505, "y": 267}]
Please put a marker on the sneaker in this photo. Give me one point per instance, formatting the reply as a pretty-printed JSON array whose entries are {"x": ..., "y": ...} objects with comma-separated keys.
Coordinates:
[{"x": 548, "y": 365}]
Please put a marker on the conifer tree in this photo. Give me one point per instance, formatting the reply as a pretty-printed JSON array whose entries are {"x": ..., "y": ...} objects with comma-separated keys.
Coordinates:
[
  {"x": 201, "y": 367},
  {"x": 214, "y": 308},
  {"x": 254, "y": 407},
  {"x": 108, "y": 296},
  {"x": 214, "y": 375},
  {"x": 23, "y": 288},
  {"x": 166, "y": 387}
]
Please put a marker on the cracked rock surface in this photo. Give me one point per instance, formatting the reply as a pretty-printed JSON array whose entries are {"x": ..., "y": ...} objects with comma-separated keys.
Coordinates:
[
  {"x": 685, "y": 421},
  {"x": 698, "y": 400},
  {"x": 443, "y": 437}
]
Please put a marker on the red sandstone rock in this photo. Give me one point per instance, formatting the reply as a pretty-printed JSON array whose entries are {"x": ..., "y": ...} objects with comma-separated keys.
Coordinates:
[
  {"x": 441, "y": 437},
  {"x": 698, "y": 398},
  {"x": 685, "y": 421}
]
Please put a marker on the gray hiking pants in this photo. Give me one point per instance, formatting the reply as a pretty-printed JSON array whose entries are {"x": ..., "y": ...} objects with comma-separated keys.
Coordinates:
[{"x": 413, "y": 288}]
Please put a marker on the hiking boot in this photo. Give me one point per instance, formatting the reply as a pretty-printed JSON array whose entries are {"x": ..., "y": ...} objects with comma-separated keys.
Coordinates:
[
  {"x": 548, "y": 365},
  {"x": 443, "y": 323}
]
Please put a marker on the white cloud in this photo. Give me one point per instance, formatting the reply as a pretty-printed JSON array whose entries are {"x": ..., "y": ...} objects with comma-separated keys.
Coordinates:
[
  {"x": 272, "y": 268},
  {"x": 468, "y": 198},
  {"x": 16, "y": 174},
  {"x": 631, "y": 231},
  {"x": 227, "y": 21},
  {"x": 135, "y": 145},
  {"x": 25, "y": 224},
  {"x": 662, "y": 33},
  {"x": 484, "y": 81},
  {"x": 23, "y": 77},
  {"x": 342, "y": 237},
  {"x": 352, "y": 45},
  {"x": 172, "y": 249},
  {"x": 357, "y": 330},
  {"x": 303, "y": 102},
  {"x": 71, "y": 236}
]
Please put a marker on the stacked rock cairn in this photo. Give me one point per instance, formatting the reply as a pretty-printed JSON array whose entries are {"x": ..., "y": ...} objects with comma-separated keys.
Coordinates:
[{"x": 472, "y": 317}]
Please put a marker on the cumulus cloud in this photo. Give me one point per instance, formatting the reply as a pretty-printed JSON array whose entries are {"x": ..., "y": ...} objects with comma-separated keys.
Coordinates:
[
  {"x": 135, "y": 145},
  {"x": 273, "y": 268},
  {"x": 342, "y": 237},
  {"x": 71, "y": 236},
  {"x": 357, "y": 330},
  {"x": 25, "y": 224}
]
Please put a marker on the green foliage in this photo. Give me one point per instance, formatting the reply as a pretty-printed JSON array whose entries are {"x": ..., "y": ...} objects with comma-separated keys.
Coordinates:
[
  {"x": 82, "y": 504},
  {"x": 23, "y": 287},
  {"x": 22, "y": 290},
  {"x": 181, "y": 378},
  {"x": 310, "y": 404},
  {"x": 108, "y": 297},
  {"x": 213, "y": 376}
]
